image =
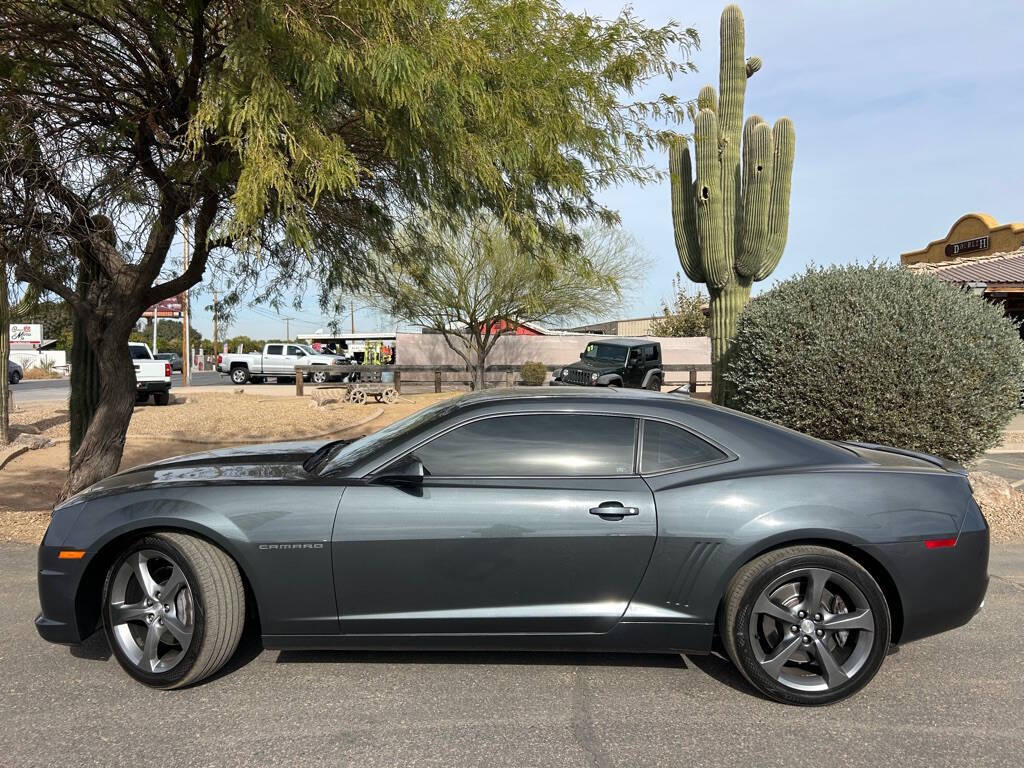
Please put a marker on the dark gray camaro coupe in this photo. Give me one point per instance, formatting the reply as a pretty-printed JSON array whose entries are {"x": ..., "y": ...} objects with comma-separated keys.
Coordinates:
[{"x": 534, "y": 519}]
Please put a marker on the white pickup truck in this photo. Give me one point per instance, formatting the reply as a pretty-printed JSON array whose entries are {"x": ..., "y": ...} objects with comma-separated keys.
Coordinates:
[
  {"x": 152, "y": 377},
  {"x": 277, "y": 361}
]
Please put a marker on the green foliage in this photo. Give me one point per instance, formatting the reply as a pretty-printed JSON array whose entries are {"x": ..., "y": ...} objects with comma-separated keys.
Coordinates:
[
  {"x": 476, "y": 283},
  {"x": 532, "y": 374},
  {"x": 730, "y": 221},
  {"x": 878, "y": 354},
  {"x": 685, "y": 316}
]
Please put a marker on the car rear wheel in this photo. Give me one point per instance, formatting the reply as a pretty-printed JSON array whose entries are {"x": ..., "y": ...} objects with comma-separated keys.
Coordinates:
[
  {"x": 161, "y": 398},
  {"x": 805, "y": 625},
  {"x": 654, "y": 384},
  {"x": 239, "y": 375},
  {"x": 173, "y": 609},
  {"x": 15, "y": 377}
]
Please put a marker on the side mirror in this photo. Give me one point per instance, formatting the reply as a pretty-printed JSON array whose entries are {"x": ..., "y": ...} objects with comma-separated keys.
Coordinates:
[
  {"x": 408, "y": 471},
  {"x": 582, "y": 354}
]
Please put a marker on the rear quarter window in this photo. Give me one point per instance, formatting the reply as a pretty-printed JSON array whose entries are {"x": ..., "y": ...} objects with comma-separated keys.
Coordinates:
[{"x": 667, "y": 447}]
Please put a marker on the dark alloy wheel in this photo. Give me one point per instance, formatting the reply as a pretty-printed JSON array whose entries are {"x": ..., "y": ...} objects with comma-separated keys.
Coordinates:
[
  {"x": 173, "y": 609},
  {"x": 806, "y": 625}
]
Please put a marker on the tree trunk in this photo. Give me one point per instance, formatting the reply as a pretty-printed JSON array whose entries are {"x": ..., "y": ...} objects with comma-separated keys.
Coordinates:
[
  {"x": 726, "y": 304},
  {"x": 5, "y": 355},
  {"x": 85, "y": 374},
  {"x": 99, "y": 454}
]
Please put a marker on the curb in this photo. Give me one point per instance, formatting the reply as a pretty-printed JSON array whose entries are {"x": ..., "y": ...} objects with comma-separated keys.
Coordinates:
[{"x": 175, "y": 436}]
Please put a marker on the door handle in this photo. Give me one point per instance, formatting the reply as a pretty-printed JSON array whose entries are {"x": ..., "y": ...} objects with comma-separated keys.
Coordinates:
[{"x": 613, "y": 510}]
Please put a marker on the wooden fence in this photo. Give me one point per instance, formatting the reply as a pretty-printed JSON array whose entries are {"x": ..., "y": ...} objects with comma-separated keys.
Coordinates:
[{"x": 447, "y": 377}]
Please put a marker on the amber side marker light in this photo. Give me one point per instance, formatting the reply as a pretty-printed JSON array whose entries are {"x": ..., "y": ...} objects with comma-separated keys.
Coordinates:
[
  {"x": 940, "y": 543},
  {"x": 71, "y": 554}
]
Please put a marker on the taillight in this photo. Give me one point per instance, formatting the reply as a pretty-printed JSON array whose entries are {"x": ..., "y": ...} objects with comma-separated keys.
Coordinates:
[
  {"x": 939, "y": 543},
  {"x": 220, "y": 359},
  {"x": 167, "y": 370}
]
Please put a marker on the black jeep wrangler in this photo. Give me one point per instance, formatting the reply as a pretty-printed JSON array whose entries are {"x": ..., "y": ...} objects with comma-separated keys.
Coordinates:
[{"x": 616, "y": 363}]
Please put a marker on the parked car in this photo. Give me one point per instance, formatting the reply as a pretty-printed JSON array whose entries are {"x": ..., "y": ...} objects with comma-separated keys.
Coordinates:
[
  {"x": 533, "y": 518},
  {"x": 616, "y": 362},
  {"x": 152, "y": 377},
  {"x": 15, "y": 372},
  {"x": 276, "y": 361},
  {"x": 173, "y": 358}
]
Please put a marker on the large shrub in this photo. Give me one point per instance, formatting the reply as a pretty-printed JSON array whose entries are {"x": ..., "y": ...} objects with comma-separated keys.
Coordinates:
[{"x": 878, "y": 354}]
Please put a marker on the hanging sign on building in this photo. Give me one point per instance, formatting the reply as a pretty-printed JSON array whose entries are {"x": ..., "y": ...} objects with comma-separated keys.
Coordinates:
[{"x": 967, "y": 246}]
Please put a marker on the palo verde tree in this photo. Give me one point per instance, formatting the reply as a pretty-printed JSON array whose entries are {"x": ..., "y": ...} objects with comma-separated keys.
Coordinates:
[
  {"x": 477, "y": 283},
  {"x": 684, "y": 316},
  {"x": 731, "y": 220},
  {"x": 289, "y": 135}
]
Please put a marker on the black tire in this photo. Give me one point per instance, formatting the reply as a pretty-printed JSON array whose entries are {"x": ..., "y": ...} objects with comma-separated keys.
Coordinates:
[
  {"x": 15, "y": 377},
  {"x": 654, "y": 384},
  {"x": 319, "y": 377},
  {"x": 161, "y": 398},
  {"x": 240, "y": 375},
  {"x": 757, "y": 576},
  {"x": 218, "y": 607}
]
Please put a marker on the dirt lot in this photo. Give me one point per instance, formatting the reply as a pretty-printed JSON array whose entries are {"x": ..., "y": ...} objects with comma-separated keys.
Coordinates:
[{"x": 31, "y": 481}]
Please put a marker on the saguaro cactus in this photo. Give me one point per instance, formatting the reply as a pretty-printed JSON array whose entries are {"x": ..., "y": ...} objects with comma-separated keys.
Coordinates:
[{"x": 730, "y": 220}]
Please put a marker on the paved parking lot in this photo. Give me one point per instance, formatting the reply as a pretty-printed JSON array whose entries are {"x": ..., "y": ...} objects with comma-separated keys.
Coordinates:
[{"x": 953, "y": 700}]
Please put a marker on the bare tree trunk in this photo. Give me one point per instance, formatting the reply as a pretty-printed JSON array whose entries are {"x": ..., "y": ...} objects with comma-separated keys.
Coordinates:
[
  {"x": 99, "y": 455},
  {"x": 5, "y": 355}
]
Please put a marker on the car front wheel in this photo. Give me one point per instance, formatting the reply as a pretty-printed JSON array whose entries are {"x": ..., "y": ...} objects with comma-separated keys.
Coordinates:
[
  {"x": 805, "y": 625},
  {"x": 15, "y": 377},
  {"x": 173, "y": 609},
  {"x": 319, "y": 377}
]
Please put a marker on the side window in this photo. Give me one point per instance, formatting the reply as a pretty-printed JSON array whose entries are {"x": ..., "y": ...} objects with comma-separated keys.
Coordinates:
[
  {"x": 667, "y": 447},
  {"x": 296, "y": 352},
  {"x": 534, "y": 445},
  {"x": 651, "y": 352},
  {"x": 636, "y": 355},
  {"x": 274, "y": 349}
]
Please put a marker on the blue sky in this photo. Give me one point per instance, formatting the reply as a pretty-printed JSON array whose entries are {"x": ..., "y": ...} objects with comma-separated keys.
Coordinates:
[{"x": 907, "y": 114}]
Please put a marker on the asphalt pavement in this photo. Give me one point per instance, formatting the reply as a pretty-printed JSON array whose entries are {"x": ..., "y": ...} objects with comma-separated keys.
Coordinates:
[
  {"x": 59, "y": 389},
  {"x": 951, "y": 700}
]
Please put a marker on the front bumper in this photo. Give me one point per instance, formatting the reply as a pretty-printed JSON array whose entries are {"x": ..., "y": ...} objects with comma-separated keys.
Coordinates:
[{"x": 58, "y": 582}]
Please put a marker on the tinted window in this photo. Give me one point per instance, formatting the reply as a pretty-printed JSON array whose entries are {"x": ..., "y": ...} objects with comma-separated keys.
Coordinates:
[
  {"x": 541, "y": 445},
  {"x": 651, "y": 352},
  {"x": 139, "y": 352},
  {"x": 296, "y": 351},
  {"x": 668, "y": 447},
  {"x": 274, "y": 349}
]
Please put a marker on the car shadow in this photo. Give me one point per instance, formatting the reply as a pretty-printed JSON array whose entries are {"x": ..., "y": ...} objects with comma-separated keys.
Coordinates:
[
  {"x": 720, "y": 669},
  {"x": 524, "y": 658}
]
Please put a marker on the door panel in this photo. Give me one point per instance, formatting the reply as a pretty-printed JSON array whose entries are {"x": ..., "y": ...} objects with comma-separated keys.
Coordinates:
[{"x": 490, "y": 555}]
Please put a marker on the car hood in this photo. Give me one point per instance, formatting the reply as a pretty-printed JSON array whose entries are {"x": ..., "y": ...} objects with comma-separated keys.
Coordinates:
[
  {"x": 321, "y": 359},
  {"x": 266, "y": 463},
  {"x": 594, "y": 366}
]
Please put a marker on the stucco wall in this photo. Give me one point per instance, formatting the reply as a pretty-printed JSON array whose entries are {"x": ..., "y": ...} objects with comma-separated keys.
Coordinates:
[{"x": 430, "y": 349}]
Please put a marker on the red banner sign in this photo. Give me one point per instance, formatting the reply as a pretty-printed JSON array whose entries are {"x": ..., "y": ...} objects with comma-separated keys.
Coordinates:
[{"x": 172, "y": 307}]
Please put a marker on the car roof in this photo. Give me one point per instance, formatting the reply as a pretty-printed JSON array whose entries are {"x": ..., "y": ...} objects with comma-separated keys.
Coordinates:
[
  {"x": 622, "y": 341},
  {"x": 589, "y": 394}
]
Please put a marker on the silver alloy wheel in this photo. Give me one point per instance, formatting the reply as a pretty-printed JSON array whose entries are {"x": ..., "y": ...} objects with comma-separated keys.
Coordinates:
[
  {"x": 238, "y": 376},
  {"x": 151, "y": 611},
  {"x": 811, "y": 629},
  {"x": 319, "y": 377}
]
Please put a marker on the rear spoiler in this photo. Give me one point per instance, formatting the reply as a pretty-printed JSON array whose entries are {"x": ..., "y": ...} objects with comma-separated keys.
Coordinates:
[{"x": 946, "y": 464}]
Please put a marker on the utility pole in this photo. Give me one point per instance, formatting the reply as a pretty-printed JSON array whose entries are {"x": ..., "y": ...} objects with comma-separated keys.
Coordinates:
[
  {"x": 352, "y": 316},
  {"x": 186, "y": 363},
  {"x": 215, "y": 322},
  {"x": 287, "y": 335},
  {"x": 156, "y": 319}
]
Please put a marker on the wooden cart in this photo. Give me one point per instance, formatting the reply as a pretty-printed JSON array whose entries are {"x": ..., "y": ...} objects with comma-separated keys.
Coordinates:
[{"x": 381, "y": 391}]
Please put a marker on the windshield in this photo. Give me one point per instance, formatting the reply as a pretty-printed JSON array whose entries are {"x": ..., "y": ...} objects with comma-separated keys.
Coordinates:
[
  {"x": 614, "y": 352},
  {"x": 347, "y": 456},
  {"x": 306, "y": 348}
]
